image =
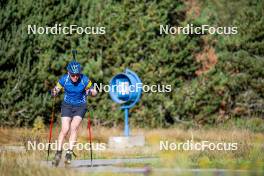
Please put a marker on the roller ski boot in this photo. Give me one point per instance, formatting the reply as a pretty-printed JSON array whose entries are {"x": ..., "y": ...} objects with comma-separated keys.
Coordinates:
[
  {"x": 68, "y": 157},
  {"x": 57, "y": 158}
]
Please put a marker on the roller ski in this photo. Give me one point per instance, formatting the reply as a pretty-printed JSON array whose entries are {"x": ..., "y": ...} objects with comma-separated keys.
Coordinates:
[
  {"x": 68, "y": 157},
  {"x": 57, "y": 158}
]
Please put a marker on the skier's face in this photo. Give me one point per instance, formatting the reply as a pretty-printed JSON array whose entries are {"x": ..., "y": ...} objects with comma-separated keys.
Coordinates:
[{"x": 74, "y": 77}]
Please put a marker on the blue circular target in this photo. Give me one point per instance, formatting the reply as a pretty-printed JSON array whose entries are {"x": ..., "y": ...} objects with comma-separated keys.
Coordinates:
[{"x": 125, "y": 89}]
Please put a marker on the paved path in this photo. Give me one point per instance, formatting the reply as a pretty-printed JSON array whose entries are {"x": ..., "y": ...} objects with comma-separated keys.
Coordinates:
[
  {"x": 106, "y": 162},
  {"x": 111, "y": 165},
  {"x": 108, "y": 165}
]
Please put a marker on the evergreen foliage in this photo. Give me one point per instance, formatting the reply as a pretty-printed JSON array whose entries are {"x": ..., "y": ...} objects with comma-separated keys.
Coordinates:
[{"x": 31, "y": 64}]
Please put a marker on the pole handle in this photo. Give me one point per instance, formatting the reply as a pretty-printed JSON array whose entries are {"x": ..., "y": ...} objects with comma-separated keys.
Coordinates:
[{"x": 74, "y": 53}]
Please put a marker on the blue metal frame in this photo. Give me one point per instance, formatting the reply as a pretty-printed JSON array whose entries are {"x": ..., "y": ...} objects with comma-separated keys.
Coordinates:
[{"x": 133, "y": 97}]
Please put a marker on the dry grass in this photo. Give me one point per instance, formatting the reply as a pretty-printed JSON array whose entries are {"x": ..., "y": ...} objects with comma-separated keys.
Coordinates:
[
  {"x": 248, "y": 156},
  {"x": 27, "y": 164}
]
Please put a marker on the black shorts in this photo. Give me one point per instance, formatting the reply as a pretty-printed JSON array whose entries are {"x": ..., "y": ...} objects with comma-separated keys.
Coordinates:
[{"x": 68, "y": 110}]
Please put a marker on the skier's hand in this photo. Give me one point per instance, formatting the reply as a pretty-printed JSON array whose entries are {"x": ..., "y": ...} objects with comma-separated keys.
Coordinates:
[
  {"x": 53, "y": 92},
  {"x": 91, "y": 92}
]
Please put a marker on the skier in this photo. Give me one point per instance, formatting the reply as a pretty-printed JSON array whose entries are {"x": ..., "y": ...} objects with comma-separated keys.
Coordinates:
[{"x": 76, "y": 87}]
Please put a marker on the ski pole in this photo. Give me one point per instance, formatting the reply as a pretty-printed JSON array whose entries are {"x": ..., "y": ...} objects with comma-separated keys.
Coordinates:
[
  {"x": 51, "y": 125},
  {"x": 90, "y": 137},
  {"x": 74, "y": 53}
]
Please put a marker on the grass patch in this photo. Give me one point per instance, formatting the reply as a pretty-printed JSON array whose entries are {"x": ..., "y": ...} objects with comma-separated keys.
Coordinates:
[{"x": 248, "y": 156}]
